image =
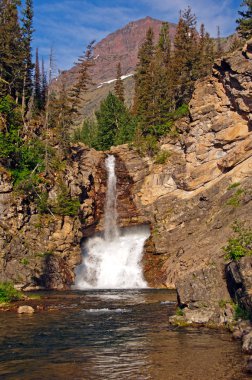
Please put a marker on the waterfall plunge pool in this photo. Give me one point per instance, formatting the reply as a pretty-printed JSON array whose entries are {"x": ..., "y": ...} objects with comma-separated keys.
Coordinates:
[{"x": 113, "y": 334}]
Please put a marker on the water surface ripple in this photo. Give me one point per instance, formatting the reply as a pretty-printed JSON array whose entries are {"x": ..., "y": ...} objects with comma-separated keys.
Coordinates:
[{"x": 113, "y": 335}]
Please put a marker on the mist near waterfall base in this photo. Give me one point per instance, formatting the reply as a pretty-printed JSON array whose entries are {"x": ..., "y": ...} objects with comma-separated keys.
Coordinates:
[{"x": 114, "y": 260}]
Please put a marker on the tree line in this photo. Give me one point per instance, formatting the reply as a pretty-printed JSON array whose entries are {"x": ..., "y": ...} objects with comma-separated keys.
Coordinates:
[{"x": 164, "y": 82}]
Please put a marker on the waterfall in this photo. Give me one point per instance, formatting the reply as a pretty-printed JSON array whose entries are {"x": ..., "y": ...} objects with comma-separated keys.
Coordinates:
[
  {"x": 114, "y": 260},
  {"x": 111, "y": 229}
]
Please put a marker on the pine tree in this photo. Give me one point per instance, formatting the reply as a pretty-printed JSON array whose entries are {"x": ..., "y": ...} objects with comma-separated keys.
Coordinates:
[
  {"x": 60, "y": 116},
  {"x": 206, "y": 53},
  {"x": 162, "y": 78},
  {"x": 119, "y": 89},
  {"x": 84, "y": 64},
  {"x": 114, "y": 123},
  {"x": 37, "y": 85},
  {"x": 11, "y": 53},
  {"x": 185, "y": 60},
  {"x": 27, "y": 32},
  {"x": 244, "y": 27},
  {"x": 144, "y": 106}
]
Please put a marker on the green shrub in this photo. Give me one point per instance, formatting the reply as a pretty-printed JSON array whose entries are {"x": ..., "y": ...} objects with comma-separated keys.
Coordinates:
[
  {"x": 87, "y": 133},
  {"x": 179, "y": 312},
  {"x": 241, "y": 313},
  {"x": 42, "y": 203},
  {"x": 162, "y": 157},
  {"x": 8, "y": 293},
  {"x": 235, "y": 200},
  {"x": 24, "y": 261},
  {"x": 240, "y": 244},
  {"x": 168, "y": 127},
  {"x": 65, "y": 204},
  {"x": 223, "y": 303},
  {"x": 44, "y": 254},
  {"x": 233, "y": 185},
  {"x": 146, "y": 145}
]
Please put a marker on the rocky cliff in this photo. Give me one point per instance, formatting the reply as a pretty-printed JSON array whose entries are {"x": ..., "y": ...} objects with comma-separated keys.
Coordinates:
[{"x": 190, "y": 202}]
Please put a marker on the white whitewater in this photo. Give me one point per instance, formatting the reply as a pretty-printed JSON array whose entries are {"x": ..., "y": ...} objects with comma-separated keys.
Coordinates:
[{"x": 113, "y": 261}]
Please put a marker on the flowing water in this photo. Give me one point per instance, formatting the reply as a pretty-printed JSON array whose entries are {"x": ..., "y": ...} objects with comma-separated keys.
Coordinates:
[
  {"x": 114, "y": 260},
  {"x": 113, "y": 335}
]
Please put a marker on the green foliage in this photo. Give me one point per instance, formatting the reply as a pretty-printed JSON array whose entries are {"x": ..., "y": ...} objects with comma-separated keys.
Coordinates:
[
  {"x": 10, "y": 126},
  {"x": 146, "y": 145},
  {"x": 65, "y": 204},
  {"x": 180, "y": 112},
  {"x": 179, "y": 312},
  {"x": 55, "y": 161},
  {"x": 119, "y": 88},
  {"x": 87, "y": 134},
  {"x": 24, "y": 261},
  {"x": 233, "y": 185},
  {"x": 235, "y": 200},
  {"x": 144, "y": 105},
  {"x": 223, "y": 303},
  {"x": 8, "y": 293},
  {"x": 115, "y": 125},
  {"x": 21, "y": 157},
  {"x": 11, "y": 48},
  {"x": 241, "y": 313},
  {"x": 44, "y": 254},
  {"x": 162, "y": 157},
  {"x": 245, "y": 21},
  {"x": 240, "y": 244},
  {"x": 42, "y": 203}
]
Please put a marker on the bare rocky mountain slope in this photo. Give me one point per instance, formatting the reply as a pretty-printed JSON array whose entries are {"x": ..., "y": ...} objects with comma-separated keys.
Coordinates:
[{"x": 121, "y": 46}]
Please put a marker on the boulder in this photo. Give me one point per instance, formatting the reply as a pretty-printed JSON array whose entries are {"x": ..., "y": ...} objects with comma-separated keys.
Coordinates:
[
  {"x": 199, "y": 316},
  {"x": 206, "y": 284},
  {"x": 237, "y": 155},
  {"x": 25, "y": 309},
  {"x": 236, "y": 132}
]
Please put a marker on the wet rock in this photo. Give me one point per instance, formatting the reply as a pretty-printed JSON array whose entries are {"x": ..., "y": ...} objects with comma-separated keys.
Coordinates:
[
  {"x": 25, "y": 310},
  {"x": 199, "y": 316}
]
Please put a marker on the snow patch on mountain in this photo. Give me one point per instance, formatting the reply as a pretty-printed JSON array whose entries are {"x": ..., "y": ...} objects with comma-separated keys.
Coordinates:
[{"x": 113, "y": 80}]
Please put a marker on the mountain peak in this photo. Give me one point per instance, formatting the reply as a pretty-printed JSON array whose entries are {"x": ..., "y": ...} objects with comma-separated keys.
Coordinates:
[{"x": 122, "y": 46}]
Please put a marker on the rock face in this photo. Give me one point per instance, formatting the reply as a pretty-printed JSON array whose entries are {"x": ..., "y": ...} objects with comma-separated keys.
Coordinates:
[
  {"x": 190, "y": 202},
  {"x": 120, "y": 46},
  {"x": 41, "y": 251}
]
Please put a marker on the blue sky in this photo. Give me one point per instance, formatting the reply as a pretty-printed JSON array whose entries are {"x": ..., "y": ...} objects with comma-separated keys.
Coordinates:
[{"x": 68, "y": 25}]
